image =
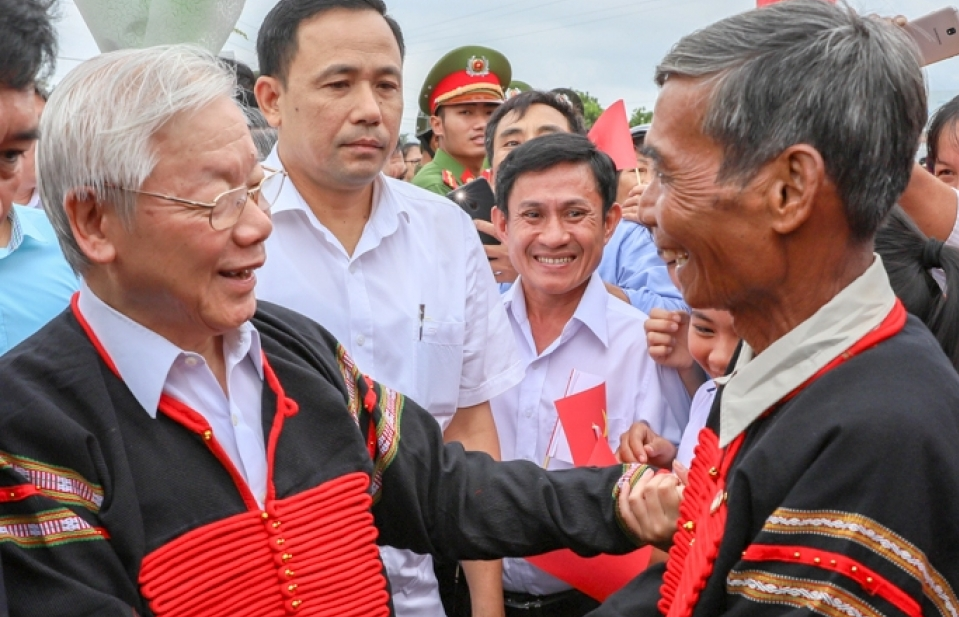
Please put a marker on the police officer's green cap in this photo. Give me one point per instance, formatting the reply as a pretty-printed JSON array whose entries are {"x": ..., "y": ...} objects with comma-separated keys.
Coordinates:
[
  {"x": 517, "y": 87},
  {"x": 472, "y": 74}
]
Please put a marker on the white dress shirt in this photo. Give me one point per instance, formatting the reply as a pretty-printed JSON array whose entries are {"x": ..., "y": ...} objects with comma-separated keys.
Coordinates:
[
  {"x": 605, "y": 338},
  {"x": 150, "y": 365},
  {"x": 415, "y": 305},
  {"x": 758, "y": 382}
]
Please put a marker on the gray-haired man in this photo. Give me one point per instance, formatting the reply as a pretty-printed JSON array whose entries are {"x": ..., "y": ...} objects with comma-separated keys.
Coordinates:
[{"x": 827, "y": 480}]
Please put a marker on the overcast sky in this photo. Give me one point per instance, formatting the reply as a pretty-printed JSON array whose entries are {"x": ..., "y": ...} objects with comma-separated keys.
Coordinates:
[{"x": 608, "y": 50}]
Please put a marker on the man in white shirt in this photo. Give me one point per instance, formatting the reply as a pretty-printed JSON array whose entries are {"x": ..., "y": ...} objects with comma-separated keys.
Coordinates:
[
  {"x": 398, "y": 275},
  {"x": 556, "y": 211}
]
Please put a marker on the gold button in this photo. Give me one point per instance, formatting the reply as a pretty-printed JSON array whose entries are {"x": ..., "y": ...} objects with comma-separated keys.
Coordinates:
[
  {"x": 12, "y": 494},
  {"x": 276, "y": 525},
  {"x": 713, "y": 472},
  {"x": 208, "y": 434},
  {"x": 832, "y": 562},
  {"x": 693, "y": 541},
  {"x": 855, "y": 569},
  {"x": 286, "y": 557},
  {"x": 289, "y": 573},
  {"x": 816, "y": 560},
  {"x": 869, "y": 579},
  {"x": 689, "y": 525},
  {"x": 796, "y": 554},
  {"x": 291, "y": 588},
  {"x": 296, "y": 603},
  {"x": 264, "y": 515},
  {"x": 280, "y": 541}
]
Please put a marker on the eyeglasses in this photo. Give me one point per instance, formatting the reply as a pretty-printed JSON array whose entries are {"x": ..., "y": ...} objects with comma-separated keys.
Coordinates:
[{"x": 225, "y": 209}]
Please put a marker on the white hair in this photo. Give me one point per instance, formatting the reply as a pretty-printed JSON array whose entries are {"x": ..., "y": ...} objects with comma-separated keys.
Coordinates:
[{"x": 98, "y": 128}]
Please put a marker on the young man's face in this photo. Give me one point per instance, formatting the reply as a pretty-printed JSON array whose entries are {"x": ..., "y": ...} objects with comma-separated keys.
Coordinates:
[
  {"x": 513, "y": 131},
  {"x": 462, "y": 129}
]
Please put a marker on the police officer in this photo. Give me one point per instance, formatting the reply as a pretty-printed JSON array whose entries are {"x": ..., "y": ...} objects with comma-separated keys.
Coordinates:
[{"x": 460, "y": 93}]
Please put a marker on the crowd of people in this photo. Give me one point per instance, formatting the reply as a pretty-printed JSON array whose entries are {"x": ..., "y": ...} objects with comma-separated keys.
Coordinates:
[{"x": 255, "y": 359}]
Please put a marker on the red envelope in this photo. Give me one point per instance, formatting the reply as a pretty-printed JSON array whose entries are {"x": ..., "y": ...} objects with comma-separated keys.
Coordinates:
[{"x": 579, "y": 414}]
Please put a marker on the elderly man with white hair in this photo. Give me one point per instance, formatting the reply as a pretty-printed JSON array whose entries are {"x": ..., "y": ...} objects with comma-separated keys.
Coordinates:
[{"x": 169, "y": 447}]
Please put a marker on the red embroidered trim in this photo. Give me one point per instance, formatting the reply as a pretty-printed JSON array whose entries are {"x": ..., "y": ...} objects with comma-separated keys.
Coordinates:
[
  {"x": 18, "y": 492},
  {"x": 313, "y": 553},
  {"x": 873, "y": 583},
  {"x": 702, "y": 513},
  {"x": 449, "y": 180}
]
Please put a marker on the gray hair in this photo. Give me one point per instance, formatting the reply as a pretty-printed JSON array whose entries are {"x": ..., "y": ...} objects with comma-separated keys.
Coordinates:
[
  {"x": 806, "y": 71},
  {"x": 98, "y": 127}
]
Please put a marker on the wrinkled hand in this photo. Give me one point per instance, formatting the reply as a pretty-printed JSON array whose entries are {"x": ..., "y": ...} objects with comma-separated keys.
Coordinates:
[
  {"x": 650, "y": 508},
  {"x": 503, "y": 269},
  {"x": 641, "y": 444},
  {"x": 666, "y": 338}
]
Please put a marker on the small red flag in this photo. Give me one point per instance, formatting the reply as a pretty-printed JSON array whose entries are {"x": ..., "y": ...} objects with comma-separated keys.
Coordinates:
[{"x": 610, "y": 133}]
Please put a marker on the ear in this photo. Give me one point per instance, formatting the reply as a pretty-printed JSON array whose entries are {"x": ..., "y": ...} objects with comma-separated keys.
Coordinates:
[
  {"x": 268, "y": 91},
  {"x": 797, "y": 176},
  {"x": 613, "y": 216},
  {"x": 90, "y": 224},
  {"x": 436, "y": 123},
  {"x": 499, "y": 223}
]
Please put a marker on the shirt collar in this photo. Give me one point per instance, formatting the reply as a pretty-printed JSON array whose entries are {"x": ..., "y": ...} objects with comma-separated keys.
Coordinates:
[
  {"x": 21, "y": 228},
  {"x": 759, "y": 382},
  {"x": 144, "y": 358},
  {"x": 590, "y": 312},
  {"x": 444, "y": 161},
  {"x": 387, "y": 207}
]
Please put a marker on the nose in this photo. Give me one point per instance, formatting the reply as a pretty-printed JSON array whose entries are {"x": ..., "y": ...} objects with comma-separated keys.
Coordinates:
[
  {"x": 253, "y": 227},
  {"x": 366, "y": 105},
  {"x": 554, "y": 232}
]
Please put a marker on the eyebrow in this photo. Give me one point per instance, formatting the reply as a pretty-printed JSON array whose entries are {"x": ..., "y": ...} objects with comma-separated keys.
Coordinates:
[
  {"x": 653, "y": 154},
  {"x": 349, "y": 69},
  {"x": 702, "y": 316},
  {"x": 544, "y": 129},
  {"x": 28, "y": 135}
]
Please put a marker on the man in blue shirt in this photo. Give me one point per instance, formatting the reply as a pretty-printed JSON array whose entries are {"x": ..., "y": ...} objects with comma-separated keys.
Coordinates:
[{"x": 35, "y": 280}]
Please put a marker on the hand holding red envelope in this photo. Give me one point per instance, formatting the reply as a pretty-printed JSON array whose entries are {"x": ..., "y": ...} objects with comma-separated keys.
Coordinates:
[{"x": 583, "y": 417}]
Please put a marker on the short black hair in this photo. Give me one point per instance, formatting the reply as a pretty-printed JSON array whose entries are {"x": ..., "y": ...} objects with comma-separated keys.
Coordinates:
[
  {"x": 521, "y": 104},
  {"x": 28, "y": 42},
  {"x": 944, "y": 119},
  {"x": 426, "y": 143},
  {"x": 549, "y": 151},
  {"x": 276, "y": 45}
]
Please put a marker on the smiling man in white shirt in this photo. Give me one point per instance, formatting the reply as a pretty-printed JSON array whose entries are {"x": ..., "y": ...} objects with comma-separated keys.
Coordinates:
[
  {"x": 556, "y": 212},
  {"x": 397, "y": 274}
]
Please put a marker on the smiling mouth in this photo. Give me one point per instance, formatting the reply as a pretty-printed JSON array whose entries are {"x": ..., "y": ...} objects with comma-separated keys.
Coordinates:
[
  {"x": 673, "y": 256},
  {"x": 554, "y": 261},
  {"x": 240, "y": 275}
]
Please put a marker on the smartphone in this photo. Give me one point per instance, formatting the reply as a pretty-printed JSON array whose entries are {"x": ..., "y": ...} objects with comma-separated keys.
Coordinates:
[
  {"x": 477, "y": 199},
  {"x": 936, "y": 34}
]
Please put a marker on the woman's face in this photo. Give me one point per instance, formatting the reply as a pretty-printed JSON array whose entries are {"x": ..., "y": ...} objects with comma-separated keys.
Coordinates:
[{"x": 947, "y": 155}]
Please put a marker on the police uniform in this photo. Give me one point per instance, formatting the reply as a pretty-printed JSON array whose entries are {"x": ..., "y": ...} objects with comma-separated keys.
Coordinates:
[{"x": 465, "y": 75}]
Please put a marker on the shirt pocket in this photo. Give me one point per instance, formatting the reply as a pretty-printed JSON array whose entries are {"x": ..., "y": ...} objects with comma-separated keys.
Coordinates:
[{"x": 439, "y": 365}]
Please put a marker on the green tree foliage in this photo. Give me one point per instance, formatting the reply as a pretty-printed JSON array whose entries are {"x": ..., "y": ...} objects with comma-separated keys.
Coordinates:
[
  {"x": 641, "y": 115},
  {"x": 591, "y": 106}
]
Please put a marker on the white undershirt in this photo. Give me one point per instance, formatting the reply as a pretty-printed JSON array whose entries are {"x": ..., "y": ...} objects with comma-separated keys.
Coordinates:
[{"x": 150, "y": 365}]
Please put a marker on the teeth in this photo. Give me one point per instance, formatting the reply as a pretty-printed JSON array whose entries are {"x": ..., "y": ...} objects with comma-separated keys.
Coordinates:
[
  {"x": 674, "y": 255},
  {"x": 239, "y": 274},
  {"x": 681, "y": 259},
  {"x": 554, "y": 261}
]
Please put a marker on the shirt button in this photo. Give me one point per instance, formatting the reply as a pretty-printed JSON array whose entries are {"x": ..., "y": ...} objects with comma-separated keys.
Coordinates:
[
  {"x": 360, "y": 340},
  {"x": 235, "y": 420},
  {"x": 352, "y": 268},
  {"x": 191, "y": 361}
]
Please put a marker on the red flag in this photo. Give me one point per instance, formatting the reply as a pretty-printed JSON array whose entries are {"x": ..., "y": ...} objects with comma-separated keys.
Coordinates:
[
  {"x": 610, "y": 133},
  {"x": 583, "y": 416}
]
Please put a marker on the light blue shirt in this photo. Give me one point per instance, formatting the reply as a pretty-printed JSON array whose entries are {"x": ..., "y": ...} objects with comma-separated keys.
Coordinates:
[
  {"x": 631, "y": 263},
  {"x": 35, "y": 280}
]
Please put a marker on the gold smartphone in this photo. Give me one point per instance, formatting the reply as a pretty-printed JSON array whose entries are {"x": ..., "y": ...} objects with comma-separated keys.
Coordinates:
[{"x": 936, "y": 34}]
